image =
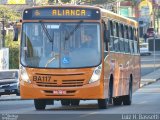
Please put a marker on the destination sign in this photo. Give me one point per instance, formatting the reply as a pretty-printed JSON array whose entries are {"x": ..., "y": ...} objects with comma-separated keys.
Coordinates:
[
  {"x": 61, "y": 13},
  {"x": 68, "y": 12}
]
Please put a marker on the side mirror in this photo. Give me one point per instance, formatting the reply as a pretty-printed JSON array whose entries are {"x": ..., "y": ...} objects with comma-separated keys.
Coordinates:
[{"x": 15, "y": 34}]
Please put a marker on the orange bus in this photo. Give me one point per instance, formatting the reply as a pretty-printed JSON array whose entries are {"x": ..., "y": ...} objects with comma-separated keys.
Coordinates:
[{"x": 57, "y": 64}]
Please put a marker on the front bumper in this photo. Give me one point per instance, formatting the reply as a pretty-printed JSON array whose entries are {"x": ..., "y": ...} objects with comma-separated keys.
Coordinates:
[{"x": 88, "y": 91}]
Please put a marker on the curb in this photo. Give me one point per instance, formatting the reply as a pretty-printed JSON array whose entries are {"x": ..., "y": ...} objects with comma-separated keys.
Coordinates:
[
  {"x": 145, "y": 82},
  {"x": 13, "y": 99},
  {"x": 9, "y": 99},
  {"x": 17, "y": 98}
]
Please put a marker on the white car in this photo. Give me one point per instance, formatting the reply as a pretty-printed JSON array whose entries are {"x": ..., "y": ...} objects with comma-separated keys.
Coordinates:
[{"x": 144, "y": 50}]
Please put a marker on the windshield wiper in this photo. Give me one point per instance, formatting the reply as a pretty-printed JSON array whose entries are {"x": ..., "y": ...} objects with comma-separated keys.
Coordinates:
[
  {"x": 46, "y": 31},
  {"x": 72, "y": 32},
  {"x": 53, "y": 56}
]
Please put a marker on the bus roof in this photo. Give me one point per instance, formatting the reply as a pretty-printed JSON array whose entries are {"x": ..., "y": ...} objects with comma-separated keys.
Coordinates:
[
  {"x": 104, "y": 12},
  {"x": 111, "y": 15}
]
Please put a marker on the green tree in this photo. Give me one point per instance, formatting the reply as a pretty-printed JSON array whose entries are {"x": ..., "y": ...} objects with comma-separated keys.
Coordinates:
[
  {"x": 13, "y": 51},
  {"x": 8, "y": 14},
  {"x": 51, "y": 1},
  {"x": 54, "y": 1},
  {"x": 11, "y": 15},
  {"x": 66, "y": 1}
]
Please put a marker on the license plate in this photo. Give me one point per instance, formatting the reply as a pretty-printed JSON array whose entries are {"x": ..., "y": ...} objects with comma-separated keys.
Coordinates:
[
  {"x": 59, "y": 92},
  {"x": 2, "y": 90}
]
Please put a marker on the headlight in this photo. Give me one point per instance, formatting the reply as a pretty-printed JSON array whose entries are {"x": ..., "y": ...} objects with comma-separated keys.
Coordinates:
[
  {"x": 24, "y": 75},
  {"x": 96, "y": 74}
]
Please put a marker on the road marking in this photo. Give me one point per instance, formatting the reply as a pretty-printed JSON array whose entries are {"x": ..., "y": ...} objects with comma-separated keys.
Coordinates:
[
  {"x": 143, "y": 102},
  {"x": 86, "y": 115}
]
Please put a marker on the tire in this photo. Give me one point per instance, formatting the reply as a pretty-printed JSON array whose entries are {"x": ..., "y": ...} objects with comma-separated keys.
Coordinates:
[
  {"x": 103, "y": 103},
  {"x": 75, "y": 102},
  {"x": 65, "y": 102},
  {"x": 127, "y": 100},
  {"x": 117, "y": 101},
  {"x": 39, "y": 104}
]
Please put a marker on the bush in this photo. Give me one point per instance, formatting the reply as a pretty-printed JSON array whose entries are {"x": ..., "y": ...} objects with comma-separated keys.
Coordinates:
[
  {"x": 12, "y": 16},
  {"x": 13, "y": 51}
]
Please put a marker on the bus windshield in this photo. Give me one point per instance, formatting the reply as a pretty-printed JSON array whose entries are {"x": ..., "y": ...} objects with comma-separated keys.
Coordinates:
[{"x": 60, "y": 45}]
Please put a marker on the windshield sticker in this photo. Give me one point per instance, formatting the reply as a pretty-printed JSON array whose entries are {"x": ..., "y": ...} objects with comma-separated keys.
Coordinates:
[{"x": 66, "y": 60}]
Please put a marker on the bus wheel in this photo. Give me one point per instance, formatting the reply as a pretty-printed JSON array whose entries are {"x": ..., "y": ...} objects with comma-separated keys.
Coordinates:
[
  {"x": 117, "y": 101},
  {"x": 39, "y": 104},
  {"x": 75, "y": 102},
  {"x": 127, "y": 100},
  {"x": 103, "y": 103},
  {"x": 65, "y": 102}
]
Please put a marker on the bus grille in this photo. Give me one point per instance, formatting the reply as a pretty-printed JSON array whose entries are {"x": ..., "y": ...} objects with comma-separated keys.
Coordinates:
[{"x": 62, "y": 83}]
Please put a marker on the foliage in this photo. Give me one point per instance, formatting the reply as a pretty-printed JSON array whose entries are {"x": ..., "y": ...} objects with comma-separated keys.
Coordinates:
[
  {"x": 64, "y": 1},
  {"x": 13, "y": 51},
  {"x": 90, "y": 1},
  {"x": 51, "y": 1},
  {"x": 12, "y": 16},
  {"x": 87, "y": 1},
  {"x": 8, "y": 14}
]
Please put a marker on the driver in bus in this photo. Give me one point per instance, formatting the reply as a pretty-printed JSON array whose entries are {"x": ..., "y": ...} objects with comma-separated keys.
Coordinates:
[{"x": 86, "y": 40}]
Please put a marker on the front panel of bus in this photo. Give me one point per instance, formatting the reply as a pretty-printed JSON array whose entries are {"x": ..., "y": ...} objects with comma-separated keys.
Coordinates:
[{"x": 61, "y": 53}]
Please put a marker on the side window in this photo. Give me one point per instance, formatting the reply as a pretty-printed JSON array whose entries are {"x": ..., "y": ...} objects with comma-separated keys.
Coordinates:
[
  {"x": 136, "y": 34},
  {"x": 121, "y": 37},
  {"x": 111, "y": 28},
  {"x": 120, "y": 31},
  {"x": 126, "y": 41},
  {"x": 132, "y": 36},
  {"x": 136, "y": 47},
  {"x": 137, "y": 39},
  {"x": 116, "y": 37},
  {"x": 131, "y": 43},
  {"x": 127, "y": 32},
  {"x": 117, "y": 30},
  {"x": 111, "y": 42},
  {"x": 114, "y": 29},
  {"x": 105, "y": 36}
]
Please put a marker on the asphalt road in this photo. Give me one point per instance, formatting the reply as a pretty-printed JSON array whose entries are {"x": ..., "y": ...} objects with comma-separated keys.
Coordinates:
[{"x": 145, "y": 101}]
